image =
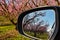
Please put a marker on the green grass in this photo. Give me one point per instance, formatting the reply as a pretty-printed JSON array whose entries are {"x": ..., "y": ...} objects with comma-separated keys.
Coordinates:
[
  {"x": 43, "y": 36},
  {"x": 4, "y": 29},
  {"x": 9, "y": 33}
]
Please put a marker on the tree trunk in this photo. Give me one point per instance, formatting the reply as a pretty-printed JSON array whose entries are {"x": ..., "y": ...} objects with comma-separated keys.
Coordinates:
[
  {"x": 13, "y": 23},
  {"x": 34, "y": 34}
]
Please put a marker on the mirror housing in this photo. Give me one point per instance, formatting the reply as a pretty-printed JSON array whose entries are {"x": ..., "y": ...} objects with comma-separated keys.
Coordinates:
[{"x": 22, "y": 15}]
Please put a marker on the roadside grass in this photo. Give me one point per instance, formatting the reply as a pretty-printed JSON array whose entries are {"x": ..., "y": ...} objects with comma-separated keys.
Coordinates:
[
  {"x": 43, "y": 36},
  {"x": 9, "y": 33},
  {"x": 4, "y": 29}
]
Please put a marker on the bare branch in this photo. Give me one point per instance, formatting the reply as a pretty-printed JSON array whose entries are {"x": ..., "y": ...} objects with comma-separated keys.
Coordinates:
[{"x": 31, "y": 20}]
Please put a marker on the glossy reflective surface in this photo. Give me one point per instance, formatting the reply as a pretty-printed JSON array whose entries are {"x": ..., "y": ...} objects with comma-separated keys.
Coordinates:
[{"x": 39, "y": 24}]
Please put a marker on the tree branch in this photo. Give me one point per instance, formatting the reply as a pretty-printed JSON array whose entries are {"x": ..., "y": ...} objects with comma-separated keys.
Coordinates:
[{"x": 30, "y": 20}]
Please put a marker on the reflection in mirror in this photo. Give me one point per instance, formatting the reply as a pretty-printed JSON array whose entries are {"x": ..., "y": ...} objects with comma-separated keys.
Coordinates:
[{"x": 39, "y": 24}]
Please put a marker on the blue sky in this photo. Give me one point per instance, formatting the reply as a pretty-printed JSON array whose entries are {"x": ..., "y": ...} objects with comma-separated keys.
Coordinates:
[{"x": 49, "y": 17}]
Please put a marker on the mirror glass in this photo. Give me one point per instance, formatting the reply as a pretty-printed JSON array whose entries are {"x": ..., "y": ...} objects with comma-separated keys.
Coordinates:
[{"x": 39, "y": 24}]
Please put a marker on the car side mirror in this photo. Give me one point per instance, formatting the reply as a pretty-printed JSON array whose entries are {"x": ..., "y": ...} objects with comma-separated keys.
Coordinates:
[{"x": 39, "y": 23}]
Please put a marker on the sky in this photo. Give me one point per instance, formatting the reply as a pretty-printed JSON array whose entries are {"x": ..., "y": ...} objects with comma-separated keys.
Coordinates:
[{"x": 49, "y": 17}]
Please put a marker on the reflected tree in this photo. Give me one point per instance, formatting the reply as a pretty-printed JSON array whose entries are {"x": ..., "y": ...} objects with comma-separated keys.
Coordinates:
[{"x": 32, "y": 25}]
